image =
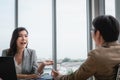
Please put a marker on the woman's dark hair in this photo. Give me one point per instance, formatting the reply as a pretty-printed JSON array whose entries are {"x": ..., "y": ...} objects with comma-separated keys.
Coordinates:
[
  {"x": 108, "y": 27},
  {"x": 13, "y": 45}
]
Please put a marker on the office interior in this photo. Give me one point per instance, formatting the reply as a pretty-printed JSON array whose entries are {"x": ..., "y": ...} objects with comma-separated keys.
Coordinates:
[{"x": 59, "y": 30}]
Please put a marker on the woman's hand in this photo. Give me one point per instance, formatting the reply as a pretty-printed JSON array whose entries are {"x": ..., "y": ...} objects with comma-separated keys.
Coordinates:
[
  {"x": 33, "y": 76},
  {"x": 43, "y": 64},
  {"x": 48, "y": 62}
]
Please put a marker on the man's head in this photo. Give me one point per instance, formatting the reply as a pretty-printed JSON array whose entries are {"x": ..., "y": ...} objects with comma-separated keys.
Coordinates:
[{"x": 107, "y": 27}]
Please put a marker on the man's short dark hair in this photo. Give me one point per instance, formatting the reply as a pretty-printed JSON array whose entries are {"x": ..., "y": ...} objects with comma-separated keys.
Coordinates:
[{"x": 108, "y": 27}]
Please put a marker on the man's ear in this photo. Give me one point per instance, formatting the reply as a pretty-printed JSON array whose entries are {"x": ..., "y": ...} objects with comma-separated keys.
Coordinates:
[
  {"x": 99, "y": 37},
  {"x": 97, "y": 34}
]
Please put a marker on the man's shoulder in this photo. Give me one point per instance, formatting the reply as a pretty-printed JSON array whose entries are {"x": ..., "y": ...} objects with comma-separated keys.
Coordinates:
[{"x": 98, "y": 52}]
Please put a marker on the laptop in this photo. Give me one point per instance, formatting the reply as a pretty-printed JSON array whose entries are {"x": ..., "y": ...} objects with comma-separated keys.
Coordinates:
[{"x": 7, "y": 69}]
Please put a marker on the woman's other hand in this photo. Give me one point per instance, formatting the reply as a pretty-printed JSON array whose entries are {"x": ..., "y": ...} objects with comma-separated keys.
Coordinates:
[
  {"x": 33, "y": 76},
  {"x": 27, "y": 76}
]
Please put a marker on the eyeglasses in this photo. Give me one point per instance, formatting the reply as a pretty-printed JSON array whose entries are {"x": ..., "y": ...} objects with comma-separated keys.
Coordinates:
[{"x": 93, "y": 30}]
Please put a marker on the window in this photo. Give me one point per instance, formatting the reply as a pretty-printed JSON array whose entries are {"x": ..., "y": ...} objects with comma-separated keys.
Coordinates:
[
  {"x": 6, "y": 22},
  {"x": 71, "y": 34},
  {"x": 110, "y": 7},
  {"x": 35, "y": 15}
]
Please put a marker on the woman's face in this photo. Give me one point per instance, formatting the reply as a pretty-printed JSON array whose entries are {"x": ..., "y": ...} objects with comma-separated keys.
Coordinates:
[{"x": 22, "y": 40}]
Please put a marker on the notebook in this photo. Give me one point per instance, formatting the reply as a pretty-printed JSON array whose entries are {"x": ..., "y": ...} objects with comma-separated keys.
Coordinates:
[{"x": 7, "y": 69}]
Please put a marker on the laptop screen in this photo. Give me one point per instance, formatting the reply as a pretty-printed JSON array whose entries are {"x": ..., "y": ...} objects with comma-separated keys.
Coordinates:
[{"x": 7, "y": 69}]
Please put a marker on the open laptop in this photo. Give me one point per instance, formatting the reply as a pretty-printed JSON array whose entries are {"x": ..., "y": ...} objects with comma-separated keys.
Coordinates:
[{"x": 7, "y": 69}]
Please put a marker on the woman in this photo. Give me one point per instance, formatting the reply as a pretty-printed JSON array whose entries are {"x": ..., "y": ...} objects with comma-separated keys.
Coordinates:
[
  {"x": 102, "y": 62},
  {"x": 25, "y": 58}
]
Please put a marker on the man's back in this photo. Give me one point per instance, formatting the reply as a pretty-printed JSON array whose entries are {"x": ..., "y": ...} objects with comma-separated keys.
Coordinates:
[{"x": 107, "y": 59}]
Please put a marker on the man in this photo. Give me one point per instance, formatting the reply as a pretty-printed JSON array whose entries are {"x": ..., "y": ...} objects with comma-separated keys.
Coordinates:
[{"x": 102, "y": 61}]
